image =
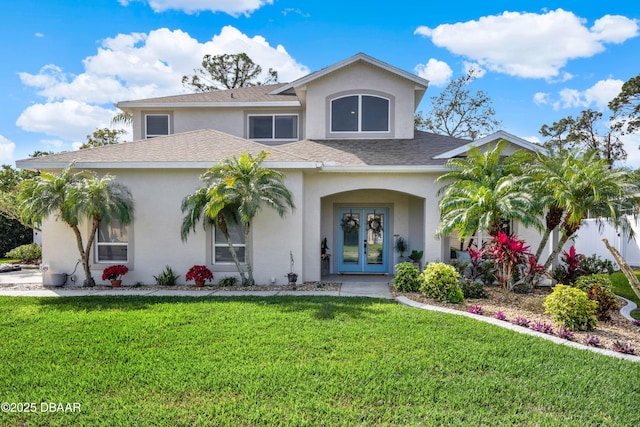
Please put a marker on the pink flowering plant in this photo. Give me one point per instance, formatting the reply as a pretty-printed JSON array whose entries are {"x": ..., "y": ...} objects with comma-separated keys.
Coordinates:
[
  {"x": 114, "y": 272},
  {"x": 199, "y": 272}
]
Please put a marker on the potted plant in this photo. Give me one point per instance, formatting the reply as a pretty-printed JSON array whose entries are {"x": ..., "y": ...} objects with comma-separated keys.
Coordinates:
[
  {"x": 114, "y": 273},
  {"x": 415, "y": 257},
  {"x": 401, "y": 247},
  {"x": 199, "y": 273},
  {"x": 325, "y": 257}
]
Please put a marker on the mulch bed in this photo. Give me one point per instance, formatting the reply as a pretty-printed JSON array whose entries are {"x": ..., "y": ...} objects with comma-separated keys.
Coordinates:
[{"x": 530, "y": 306}]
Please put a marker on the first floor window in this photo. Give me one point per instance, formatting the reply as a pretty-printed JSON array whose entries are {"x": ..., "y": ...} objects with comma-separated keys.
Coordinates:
[
  {"x": 277, "y": 126},
  {"x": 156, "y": 125},
  {"x": 112, "y": 242},
  {"x": 221, "y": 251}
]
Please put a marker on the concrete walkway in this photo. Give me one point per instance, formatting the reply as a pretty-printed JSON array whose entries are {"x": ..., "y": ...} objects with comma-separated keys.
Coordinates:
[{"x": 352, "y": 286}]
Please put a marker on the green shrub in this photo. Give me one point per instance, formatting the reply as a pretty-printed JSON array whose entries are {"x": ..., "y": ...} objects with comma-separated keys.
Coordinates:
[
  {"x": 472, "y": 288},
  {"x": 571, "y": 307},
  {"x": 166, "y": 278},
  {"x": 599, "y": 288},
  {"x": 440, "y": 281},
  {"x": 407, "y": 278},
  {"x": 26, "y": 253},
  {"x": 228, "y": 281},
  {"x": 596, "y": 265}
]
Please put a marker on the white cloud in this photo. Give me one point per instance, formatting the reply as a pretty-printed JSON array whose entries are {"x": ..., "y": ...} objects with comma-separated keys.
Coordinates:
[
  {"x": 533, "y": 139},
  {"x": 231, "y": 7},
  {"x": 597, "y": 96},
  {"x": 631, "y": 143},
  {"x": 6, "y": 149},
  {"x": 527, "y": 44},
  {"x": 437, "y": 72},
  {"x": 67, "y": 119},
  {"x": 541, "y": 98},
  {"x": 135, "y": 66}
]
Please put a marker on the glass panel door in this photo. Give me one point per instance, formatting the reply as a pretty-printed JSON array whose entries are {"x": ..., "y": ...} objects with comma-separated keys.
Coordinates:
[{"x": 362, "y": 242}]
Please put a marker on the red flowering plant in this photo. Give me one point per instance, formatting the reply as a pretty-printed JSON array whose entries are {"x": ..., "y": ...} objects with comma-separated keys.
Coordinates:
[
  {"x": 199, "y": 272},
  {"x": 507, "y": 252},
  {"x": 571, "y": 268},
  {"x": 114, "y": 272}
]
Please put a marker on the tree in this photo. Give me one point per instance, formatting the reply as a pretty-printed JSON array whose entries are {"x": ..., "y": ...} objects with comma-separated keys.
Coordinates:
[
  {"x": 241, "y": 183},
  {"x": 581, "y": 133},
  {"x": 197, "y": 205},
  {"x": 104, "y": 136},
  {"x": 73, "y": 196},
  {"x": 626, "y": 106},
  {"x": 226, "y": 71},
  {"x": 458, "y": 113},
  {"x": 483, "y": 190},
  {"x": 122, "y": 118},
  {"x": 588, "y": 186}
]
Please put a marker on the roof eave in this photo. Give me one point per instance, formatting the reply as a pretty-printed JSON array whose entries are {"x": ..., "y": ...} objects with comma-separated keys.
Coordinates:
[
  {"x": 31, "y": 165},
  {"x": 212, "y": 104}
]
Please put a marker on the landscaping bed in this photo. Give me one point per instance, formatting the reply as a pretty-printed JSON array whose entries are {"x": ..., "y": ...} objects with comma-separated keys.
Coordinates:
[{"x": 530, "y": 307}]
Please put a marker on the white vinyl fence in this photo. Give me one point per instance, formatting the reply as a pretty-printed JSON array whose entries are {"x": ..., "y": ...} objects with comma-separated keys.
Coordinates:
[{"x": 589, "y": 241}]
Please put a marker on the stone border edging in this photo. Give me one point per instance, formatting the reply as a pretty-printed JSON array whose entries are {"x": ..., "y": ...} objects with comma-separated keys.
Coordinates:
[
  {"x": 627, "y": 309},
  {"x": 501, "y": 323}
]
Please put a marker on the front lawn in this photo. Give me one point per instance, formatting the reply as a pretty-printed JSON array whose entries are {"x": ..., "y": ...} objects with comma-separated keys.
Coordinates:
[
  {"x": 294, "y": 361},
  {"x": 8, "y": 260},
  {"x": 621, "y": 287}
]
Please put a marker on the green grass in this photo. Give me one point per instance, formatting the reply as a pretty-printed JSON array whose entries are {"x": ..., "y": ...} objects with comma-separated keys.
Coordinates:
[
  {"x": 621, "y": 287},
  {"x": 8, "y": 260},
  {"x": 294, "y": 361}
]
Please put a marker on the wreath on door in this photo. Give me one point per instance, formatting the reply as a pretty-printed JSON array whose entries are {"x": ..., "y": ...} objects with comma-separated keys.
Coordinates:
[
  {"x": 375, "y": 224},
  {"x": 350, "y": 223}
]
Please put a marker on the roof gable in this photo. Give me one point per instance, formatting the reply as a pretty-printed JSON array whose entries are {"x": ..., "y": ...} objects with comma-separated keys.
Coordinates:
[
  {"x": 359, "y": 57},
  {"x": 496, "y": 136}
]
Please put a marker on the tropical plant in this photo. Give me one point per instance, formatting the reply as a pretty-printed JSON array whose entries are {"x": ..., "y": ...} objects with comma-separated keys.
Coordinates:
[
  {"x": 594, "y": 264},
  {"x": 167, "y": 277},
  {"x": 407, "y": 278},
  {"x": 228, "y": 281},
  {"x": 588, "y": 186},
  {"x": 599, "y": 288},
  {"x": 571, "y": 307},
  {"x": 72, "y": 196},
  {"x": 483, "y": 190},
  {"x": 199, "y": 273},
  {"x": 237, "y": 184},
  {"x": 472, "y": 288},
  {"x": 114, "y": 272},
  {"x": 570, "y": 268},
  {"x": 507, "y": 253}
]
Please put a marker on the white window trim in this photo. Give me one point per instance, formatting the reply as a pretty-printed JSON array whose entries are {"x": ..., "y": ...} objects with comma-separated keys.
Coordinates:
[
  {"x": 168, "y": 116},
  {"x": 98, "y": 244},
  {"x": 360, "y": 95},
  {"x": 273, "y": 127},
  {"x": 224, "y": 244}
]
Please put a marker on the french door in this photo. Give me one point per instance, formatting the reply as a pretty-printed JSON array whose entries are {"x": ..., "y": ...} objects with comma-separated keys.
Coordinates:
[{"x": 362, "y": 240}]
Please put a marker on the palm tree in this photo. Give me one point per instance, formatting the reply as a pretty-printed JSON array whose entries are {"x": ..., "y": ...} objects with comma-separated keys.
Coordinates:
[
  {"x": 550, "y": 172},
  {"x": 589, "y": 187},
  {"x": 72, "y": 197},
  {"x": 483, "y": 190},
  {"x": 196, "y": 205},
  {"x": 241, "y": 183}
]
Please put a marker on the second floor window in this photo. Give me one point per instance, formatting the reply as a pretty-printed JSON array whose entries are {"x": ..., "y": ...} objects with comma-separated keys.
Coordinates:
[
  {"x": 360, "y": 113},
  {"x": 156, "y": 125},
  {"x": 273, "y": 126}
]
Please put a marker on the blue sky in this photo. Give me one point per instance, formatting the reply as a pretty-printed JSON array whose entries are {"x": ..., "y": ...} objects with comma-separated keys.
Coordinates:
[{"x": 65, "y": 63}]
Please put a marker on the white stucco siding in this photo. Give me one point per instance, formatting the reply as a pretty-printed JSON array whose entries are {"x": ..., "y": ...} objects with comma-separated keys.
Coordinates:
[
  {"x": 275, "y": 237},
  {"x": 354, "y": 78}
]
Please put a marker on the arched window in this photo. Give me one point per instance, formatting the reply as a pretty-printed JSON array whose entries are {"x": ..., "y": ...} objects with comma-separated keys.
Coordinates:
[{"x": 360, "y": 113}]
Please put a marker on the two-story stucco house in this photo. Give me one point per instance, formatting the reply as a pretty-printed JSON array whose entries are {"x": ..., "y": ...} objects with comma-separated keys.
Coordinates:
[{"x": 344, "y": 136}]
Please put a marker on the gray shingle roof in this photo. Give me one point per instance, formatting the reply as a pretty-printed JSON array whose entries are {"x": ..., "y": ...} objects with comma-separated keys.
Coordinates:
[
  {"x": 210, "y": 146},
  {"x": 238, "y": 95},
  {"x": 418, "y": 151}
]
